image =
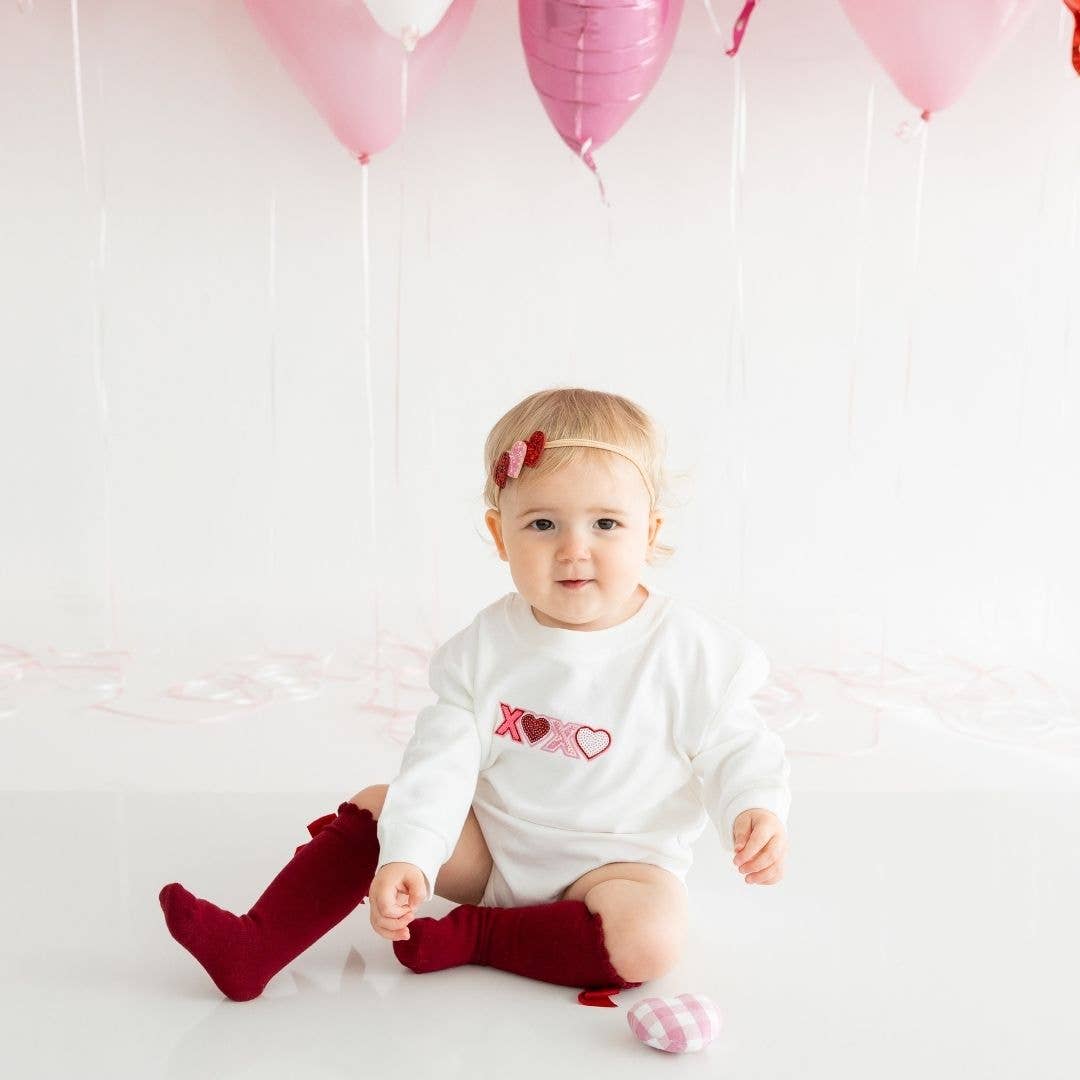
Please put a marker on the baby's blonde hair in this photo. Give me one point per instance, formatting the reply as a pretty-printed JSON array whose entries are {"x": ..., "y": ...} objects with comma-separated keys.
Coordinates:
[{"x": 575, "y": 413}]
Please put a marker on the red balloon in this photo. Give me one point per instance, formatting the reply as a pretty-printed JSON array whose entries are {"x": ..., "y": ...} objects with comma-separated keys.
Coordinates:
[{"x": 1074, "y": 7}]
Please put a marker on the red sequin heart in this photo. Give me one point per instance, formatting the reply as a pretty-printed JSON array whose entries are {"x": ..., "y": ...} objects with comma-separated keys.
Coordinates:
[
  {"x": 534, "y": 447},
  {"x": 501, "y": 468},
  {"x": 535, "y": 727}
]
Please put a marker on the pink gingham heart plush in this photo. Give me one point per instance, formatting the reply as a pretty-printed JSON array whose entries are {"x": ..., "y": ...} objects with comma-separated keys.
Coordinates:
[{"x": 678, "y": 1025}]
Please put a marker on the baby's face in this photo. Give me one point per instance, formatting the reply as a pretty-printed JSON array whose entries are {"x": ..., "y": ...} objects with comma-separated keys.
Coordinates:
[{"x": 589, "y": 520}]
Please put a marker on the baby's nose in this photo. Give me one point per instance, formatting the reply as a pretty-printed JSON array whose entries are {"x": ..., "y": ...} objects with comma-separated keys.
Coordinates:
[{"x": 573, "y": 548}]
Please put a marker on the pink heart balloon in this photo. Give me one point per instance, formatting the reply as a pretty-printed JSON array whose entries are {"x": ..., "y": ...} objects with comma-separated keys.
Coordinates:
[
  {"x": 932, "y": 49},
  {"x": 350, "y": 69},
  {"x": 593, "y": 62}
]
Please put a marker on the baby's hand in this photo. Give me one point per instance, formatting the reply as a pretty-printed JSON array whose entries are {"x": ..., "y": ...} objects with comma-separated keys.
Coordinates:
[
  {"x": 397, "y": 890},
  {"x": 760, "y": 846}
]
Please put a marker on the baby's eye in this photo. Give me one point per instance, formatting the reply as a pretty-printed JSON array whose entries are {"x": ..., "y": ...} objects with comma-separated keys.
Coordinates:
[{"x": 547, "y": 521}]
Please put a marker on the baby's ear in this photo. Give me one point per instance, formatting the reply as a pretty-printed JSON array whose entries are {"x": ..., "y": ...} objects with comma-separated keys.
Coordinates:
[
  {"x": 657, "y": 522},
  {"x": 493, "y": 520}
]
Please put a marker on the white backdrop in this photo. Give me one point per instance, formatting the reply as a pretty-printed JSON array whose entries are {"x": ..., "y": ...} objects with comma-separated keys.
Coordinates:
[{"x": 824, "y": 513}]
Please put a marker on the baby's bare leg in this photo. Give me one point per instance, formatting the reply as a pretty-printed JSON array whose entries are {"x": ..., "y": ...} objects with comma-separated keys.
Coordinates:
[
  {"x": 643, "y": 909},
  {"x": 465, "y": 874}
]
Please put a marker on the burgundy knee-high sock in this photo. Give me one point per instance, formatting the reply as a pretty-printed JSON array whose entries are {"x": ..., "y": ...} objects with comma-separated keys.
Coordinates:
[
  {"x": 326, "y": 879},
  {"x": 561, "y": 943}
]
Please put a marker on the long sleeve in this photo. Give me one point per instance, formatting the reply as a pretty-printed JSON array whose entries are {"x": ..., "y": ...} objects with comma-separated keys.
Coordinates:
[
  {"x": 427, "y": 803},
  {"x": 740, "y": 763}
]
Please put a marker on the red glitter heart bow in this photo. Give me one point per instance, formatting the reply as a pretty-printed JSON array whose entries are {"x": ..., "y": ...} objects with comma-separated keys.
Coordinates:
[{"x": 521, "y": 453}]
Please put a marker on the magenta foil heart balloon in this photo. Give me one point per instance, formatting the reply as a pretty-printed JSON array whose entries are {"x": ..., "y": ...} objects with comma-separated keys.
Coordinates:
[
  {"x": 351, "y": 70},
  {"x": 594, "y": 61}
]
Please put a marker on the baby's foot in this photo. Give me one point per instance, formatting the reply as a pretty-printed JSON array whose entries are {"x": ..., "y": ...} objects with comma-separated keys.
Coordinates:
[
  {"x": 225, "y": 944},
  {"x": 435, "y": 944}
]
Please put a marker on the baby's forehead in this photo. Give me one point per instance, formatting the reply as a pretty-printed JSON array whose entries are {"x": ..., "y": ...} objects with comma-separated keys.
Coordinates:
[{"x": 581, "y": 486}]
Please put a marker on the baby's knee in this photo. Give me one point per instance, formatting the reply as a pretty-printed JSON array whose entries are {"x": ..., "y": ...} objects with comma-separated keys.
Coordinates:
[
  {"x": 371, "y": 798},
  {"x": 644, "y": 948},
  {"x": 655, "y": 952}
]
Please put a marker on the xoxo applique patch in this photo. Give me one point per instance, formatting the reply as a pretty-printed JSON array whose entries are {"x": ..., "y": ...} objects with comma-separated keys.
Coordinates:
[{"x": 551, "y": 735}]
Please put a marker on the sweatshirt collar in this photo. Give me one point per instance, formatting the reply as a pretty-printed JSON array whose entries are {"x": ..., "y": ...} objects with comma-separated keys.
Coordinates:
[{"x": 583, "y": 643}]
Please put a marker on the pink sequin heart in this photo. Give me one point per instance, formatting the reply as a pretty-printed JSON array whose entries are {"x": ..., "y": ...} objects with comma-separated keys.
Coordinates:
[
  {"x": 517, "y": 456},
  {"x": 592, "y": 741}
]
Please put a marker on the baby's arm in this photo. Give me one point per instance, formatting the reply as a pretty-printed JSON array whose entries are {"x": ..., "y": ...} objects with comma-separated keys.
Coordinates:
[
  {"x": 741, "y": 764},
  {"x": 426, "y": 805}
]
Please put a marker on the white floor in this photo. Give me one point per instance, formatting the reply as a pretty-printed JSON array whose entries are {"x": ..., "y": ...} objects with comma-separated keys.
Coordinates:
[{"x": 927, "y": 924}]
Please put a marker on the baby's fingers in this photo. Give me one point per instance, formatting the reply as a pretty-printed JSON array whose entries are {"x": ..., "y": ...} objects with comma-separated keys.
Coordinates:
[
  {"x": 766, "y": 857},
  {"x": 394, "y": 929},
  {"x": 386, "y": 896},
  {"x": 393, "y": 935},
  {"x": 394, "y": 922},
  {"x": 769, "y": 876}
]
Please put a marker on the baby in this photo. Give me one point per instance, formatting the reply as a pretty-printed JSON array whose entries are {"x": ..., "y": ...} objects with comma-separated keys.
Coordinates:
[{"x": 587, "y": 727}]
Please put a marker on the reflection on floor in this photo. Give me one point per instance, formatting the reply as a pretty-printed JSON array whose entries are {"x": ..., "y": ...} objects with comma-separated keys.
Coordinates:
[{"x": 926, "y": 925}]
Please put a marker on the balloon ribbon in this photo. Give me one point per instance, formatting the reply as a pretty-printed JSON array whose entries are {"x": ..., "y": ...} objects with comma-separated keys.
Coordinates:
[{"x": 740, "y": 26}]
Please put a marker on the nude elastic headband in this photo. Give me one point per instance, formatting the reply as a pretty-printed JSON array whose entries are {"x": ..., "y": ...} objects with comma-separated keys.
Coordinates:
[{"x": 527, "y": 452}]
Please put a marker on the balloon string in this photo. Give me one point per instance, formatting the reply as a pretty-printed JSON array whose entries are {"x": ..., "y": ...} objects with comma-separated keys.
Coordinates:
[
  {"x": 739, "y": 29},
  {"x": 737, "y": 346},
  {"x": 271, "y": 287},
  {"x": 712, "y": 17},
  {"x": 1070, "y": 260},
  {"x": 915, "y": 251},
  {"x": 740, "y": 26},
  {"x": 409, "y": 40},
  {"x": 106, "y": 436},
  {"x": 1074, "y": 229},
  {"x": 860, "y": 254},
  {"x": 890, "y": 568},
  {"x": 397, "y": 335},
  {"x": 735, "y": 206},
  {"x": 587, "y": 157},
  {"x": 366, "y": 247},
  {"x": 434, "y": 442},
  {"x": 97, "y": 272},
  {"x": 78, "y": 92}
]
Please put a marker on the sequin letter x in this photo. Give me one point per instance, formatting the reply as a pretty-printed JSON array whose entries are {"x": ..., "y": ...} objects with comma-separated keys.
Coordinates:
[
  {"x": 562, "y": 738},
  {"x": 509, "y": 726}
]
